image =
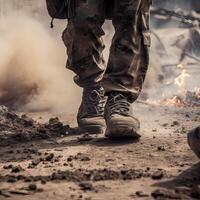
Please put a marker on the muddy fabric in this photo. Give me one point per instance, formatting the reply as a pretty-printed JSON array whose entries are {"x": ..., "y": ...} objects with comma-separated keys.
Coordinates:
[{"x": 129, "y": 53}]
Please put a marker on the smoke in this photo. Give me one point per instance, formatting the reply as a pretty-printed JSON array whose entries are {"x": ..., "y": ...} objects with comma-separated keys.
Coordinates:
[{"x": 32, "y": 72}]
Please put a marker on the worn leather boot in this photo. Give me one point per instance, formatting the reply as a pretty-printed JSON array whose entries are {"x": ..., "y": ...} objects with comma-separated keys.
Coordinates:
[
  {"x": 194, "y": 140},
  {"x": 90, "y": 116},
  {"x": 119, "y": 118}
]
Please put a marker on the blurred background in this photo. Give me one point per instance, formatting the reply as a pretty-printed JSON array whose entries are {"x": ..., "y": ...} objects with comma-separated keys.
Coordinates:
[{"x": 32, "y": 65}]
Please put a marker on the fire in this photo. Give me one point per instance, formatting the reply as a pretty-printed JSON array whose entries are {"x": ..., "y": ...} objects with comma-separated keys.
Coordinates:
[
  {"x": 176, "y": 101},
  {"x": 191, "y": 99}
]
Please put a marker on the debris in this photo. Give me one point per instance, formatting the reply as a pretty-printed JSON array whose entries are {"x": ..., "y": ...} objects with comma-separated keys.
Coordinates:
[
  {"x": 157, "y": 175},
  {"x": 165, "y": 194},
  {"x": 50, "y": 157},
  {"x": 141, "y": 194},
  {"x": 85, "y": 138},
  {"x": 16, "y": 129},
  {"x": 161, "y": 148},
  {"x": 17, "y": 169},
  {"x": 32, "y": 187},
  {"x": 86, "y": 186}
]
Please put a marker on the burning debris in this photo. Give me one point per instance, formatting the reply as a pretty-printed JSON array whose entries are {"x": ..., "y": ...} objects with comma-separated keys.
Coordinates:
[{"x": 191, "y": 99}]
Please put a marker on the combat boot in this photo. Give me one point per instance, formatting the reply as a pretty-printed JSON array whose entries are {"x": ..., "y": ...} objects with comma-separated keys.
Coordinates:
[
  {"x": 90, "y": 116},
  {"x": 194, "y": 140},
  {"x": 119, "y": 117}
]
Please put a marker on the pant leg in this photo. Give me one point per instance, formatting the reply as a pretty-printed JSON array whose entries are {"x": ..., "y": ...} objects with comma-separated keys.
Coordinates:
[
  {"x": 129, "y": 53},
  {"x": 83, "y": 39}
]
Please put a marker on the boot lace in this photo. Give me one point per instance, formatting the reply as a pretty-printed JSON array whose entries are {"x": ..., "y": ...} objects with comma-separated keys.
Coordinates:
[
  {"x": 94, "y": 101},
  {"x": 118, "y": 104}
]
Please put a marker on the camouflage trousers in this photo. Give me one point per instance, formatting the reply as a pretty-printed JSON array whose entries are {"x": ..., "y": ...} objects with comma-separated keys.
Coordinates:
[{"x": 129, "y": 53}]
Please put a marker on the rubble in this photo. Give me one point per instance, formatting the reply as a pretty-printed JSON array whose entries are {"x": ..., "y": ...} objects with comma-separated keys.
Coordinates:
[{"x": 15, "y": 128}]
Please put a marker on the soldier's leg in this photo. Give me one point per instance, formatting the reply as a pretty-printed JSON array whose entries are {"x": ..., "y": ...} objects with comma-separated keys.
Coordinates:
[
  {"x": 127, "y": 66},
  {"x": 83, "y": 39}
]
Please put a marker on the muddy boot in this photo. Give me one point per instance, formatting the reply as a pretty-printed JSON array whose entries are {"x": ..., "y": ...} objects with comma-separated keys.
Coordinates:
[
  {"x": 91, "y": 112},
  {"x": 194, "y": 140},
  {"x": 119, "y": 118}
]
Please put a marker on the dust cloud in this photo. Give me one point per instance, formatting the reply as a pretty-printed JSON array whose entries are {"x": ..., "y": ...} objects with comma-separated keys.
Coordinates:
[{"x": 32, "y": 72}]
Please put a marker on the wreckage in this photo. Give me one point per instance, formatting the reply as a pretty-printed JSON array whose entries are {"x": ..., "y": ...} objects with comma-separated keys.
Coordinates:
[{"x": 189, "y": 19}]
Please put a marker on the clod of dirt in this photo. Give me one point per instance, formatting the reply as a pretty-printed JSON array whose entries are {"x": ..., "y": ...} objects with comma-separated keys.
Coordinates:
[
  {"x": 167, "y": 194},
  {"x": 32, "y": 187},
  {"x": 11, "y": 179},
  {"x": 175, "y": 123},
  {"x": 17, "y": 169},
  {"x": 8, "y": 166},
  {"x": 15, "y": 129},
  {"x": 157, "y": 175},
  {"x": 35, "y": 162},
  {"x": 85, "y": 138},
  {"x": 79, "y": 156},
  {"x": 84, "y": 175},
  {"x": 161, "y": 148},
  {"x": 141, "y": 194},
  {"x": 50, "y": 157},
  {"x": 86, "y": 186}
]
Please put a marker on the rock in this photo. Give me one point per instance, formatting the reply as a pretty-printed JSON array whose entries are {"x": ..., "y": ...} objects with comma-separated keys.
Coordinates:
[
  {"x": 86, "y": 186},
  {"x": 11, "y": 180},
  {"x": 26, "y": 121},
  {"x": 17, "y": 169},
  {"x": 32, "y": 187},
  {"x": 82, "y": 157},
  {"x": 175, "y": 123},
  {"x": 165, "y": 194},
  {"x": 85, "y": 138},
  {"x": 141, "y": 194},
  {"x": 8, "y": 166},
  {"x": 50, "y": 157},
  {"x": 70, "y": 159},
  {"x": 157, "y": 175},
  {"x": 35, "y": 162},
  {"x": 161, "y": 148}
]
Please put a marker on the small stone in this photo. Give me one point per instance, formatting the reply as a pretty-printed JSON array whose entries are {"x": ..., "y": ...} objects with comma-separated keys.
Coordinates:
[
  {"x": 35, "y": 162},
  {"x": 85, "y": 138},
  {"x": 86, "y": 186},
  {"x": 49, "y": 157},
  {"x": 11, "y": 180},
  {"x": 70, "y": 158},
  {"x": 161, "y": 148},
  {"x": 141, "y": 194},
  {"x": 165, "y": 124},
  {"x": 175, "y": 123},
  {"x": 17, "y": 169},
  {"x": 43, "y": 182},
  {"x": 32, "y": 187},
  {"x": 157, "y": 175},
  {"x": 8, "y": 166}
]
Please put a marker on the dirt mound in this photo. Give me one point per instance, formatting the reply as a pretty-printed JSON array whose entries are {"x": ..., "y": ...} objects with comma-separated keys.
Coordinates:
[{"x": 15, "y": 128}]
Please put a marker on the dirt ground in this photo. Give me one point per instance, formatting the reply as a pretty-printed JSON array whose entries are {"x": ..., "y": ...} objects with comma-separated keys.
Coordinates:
[{"x": 69, "y": 166}]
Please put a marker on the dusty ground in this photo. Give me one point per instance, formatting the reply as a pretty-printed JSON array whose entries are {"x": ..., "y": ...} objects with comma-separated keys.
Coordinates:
[{"x": 159, "y": 166}]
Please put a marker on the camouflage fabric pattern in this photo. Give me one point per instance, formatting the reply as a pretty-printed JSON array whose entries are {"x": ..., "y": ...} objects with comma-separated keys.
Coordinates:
[{"x": 129, "y": 52}]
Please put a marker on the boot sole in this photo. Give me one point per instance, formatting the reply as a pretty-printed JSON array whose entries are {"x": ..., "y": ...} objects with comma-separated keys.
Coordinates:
[
  {"x": 122, "y": 133},
  {"x": 92, "y": 129}
]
